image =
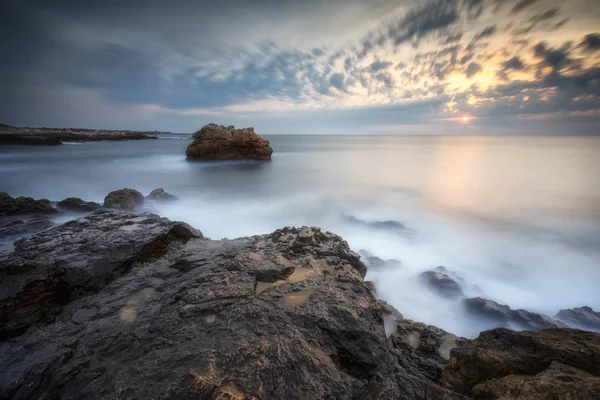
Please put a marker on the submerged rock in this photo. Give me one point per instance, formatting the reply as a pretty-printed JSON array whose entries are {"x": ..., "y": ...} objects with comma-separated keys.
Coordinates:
[
  {"x": 376, "y": 263},
  {"x": 77, "y": 205},
  {"x": 24, "y": 205},
  {"x": 225, "y": 142},
  {"x": 443, "y": 282},
  {"x": 581, "y": 317},
  {"x": 160, "y": 195},
  {"x": 503, "y": 315},
  {"x": 20, "y": 227},
  {"x": 125, "y": 199},
  {"x": 279, "y": 316},
  {"x": 503, "y": 364},
  {"x": 392, "y": 226}
]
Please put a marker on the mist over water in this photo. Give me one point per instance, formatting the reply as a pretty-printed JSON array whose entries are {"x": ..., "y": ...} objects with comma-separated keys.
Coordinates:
[{"x": 517, "y": 217}]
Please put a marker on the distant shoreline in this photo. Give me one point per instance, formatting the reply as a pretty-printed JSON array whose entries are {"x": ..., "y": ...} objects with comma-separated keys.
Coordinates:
[{"x": 10, "y": 135}]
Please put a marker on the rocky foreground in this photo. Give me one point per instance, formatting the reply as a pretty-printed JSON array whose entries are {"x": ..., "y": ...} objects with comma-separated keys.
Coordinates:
[
  {"x": 218, "y": 142},
  {"x": 134, "y": 306},
  {"x": 56, "y": 136}
]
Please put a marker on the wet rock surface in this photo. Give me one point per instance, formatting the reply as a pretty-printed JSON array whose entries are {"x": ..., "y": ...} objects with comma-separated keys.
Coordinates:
[
  {"x": 225, "y": 142},
  {"x": 124, "y": 199},
  {"x": 502, "y": 315},
  {"x": 581, "y": 317},
  {"x": 118, "y": 305},
  {"x": 77, "y": 205},
  {"x": 24, "y": 205},
  {"x": 503, "y": 364}
]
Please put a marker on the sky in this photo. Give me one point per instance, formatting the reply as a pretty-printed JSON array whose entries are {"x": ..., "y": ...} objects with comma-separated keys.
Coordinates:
[{"x": 303, "y": 67}]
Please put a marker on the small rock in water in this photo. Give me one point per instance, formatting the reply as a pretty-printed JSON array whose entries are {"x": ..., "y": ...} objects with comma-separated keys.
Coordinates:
[
  {"x": 24, "y": 205},
  {"x": 78, "y": 205},
  {"x": 503, "y": 316},
  {"x": 160, "y": 195},
  {"x": 581, "y": 317},
  {"x": 440, "y": 281},
  {"x": 225, "y": 142},
  {"x": 124, "y": 199}
]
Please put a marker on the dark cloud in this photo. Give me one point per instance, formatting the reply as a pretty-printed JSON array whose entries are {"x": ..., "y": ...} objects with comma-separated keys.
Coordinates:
[
  {"x": 514, "y": 63},
  {"x": 317, "y": 52},
  {"x": 487, "y": 32},
  {"x": 521, "y": 5},
  {"x": 337, "y": 81},
  {"x": 432, "y": 17},
  {"x": 554, "y": 58},
  {"x": 466, "y": 58},
  {"x": 472, "y": 70},
  {"x": 386, "y": 78},
  {"x": 379, "y": 65},
  {"x": 590, "y": 42},
  {"x": 453, "y": 38},
  {"x": 545, "y": 16}
]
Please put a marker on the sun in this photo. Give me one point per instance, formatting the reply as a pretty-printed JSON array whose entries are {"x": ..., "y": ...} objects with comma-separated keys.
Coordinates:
[{"x": 465, "y": 119}]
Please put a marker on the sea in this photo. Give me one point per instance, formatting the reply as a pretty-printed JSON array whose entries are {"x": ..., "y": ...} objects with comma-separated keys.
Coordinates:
[{"x": 517, "y": 218}]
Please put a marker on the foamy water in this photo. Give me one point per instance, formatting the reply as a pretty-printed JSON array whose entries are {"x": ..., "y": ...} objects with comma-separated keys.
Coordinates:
[{"x": 518, "y": 218}]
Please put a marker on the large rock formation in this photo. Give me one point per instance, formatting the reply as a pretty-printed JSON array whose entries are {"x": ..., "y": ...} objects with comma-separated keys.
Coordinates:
[
  {"x": 551, "y": 364},
  {"x": 24, "y": 205},
  {"x": 225, "y": 142},
  {"x": 116, "y": 305}
]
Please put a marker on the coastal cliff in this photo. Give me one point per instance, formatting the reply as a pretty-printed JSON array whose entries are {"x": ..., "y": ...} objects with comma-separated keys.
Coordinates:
[{"x": 131, "y": 305}]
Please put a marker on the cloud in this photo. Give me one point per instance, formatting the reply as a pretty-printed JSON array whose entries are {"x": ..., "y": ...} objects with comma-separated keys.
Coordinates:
[
  {"x": 521, "y": 5},
  {"x": 554, "y": 58},
  {"x": 379, "y": 65},
  {"x": 590, "y": 42},
  {"x": 337, "y": 81},
  {"x": 514, "y": 63},
  {"x": 487, "y": 32},
  {"x": 473, "y": 69}
]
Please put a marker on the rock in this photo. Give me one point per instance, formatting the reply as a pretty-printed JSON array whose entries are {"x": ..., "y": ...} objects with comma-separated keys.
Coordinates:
[
  {"x": 24, "y": 205},
  {"x": 581, "y": 317},
  {"x": 503, "y": 315},
  {"x": 52, "y": 268},
  {"x": 440, "y": 281},
  {"x": 424, "y": 348},
  {"x": 551, "y": 364},
  {"x": 125, "y": 199},
  {"x": 392, "y": 226},
  {"x": 77, "y": 205},
  {"x": 225, "y": 142},
  {"x": 33, "y": 224},
  {"x": 123, "y": 309},
  {"x": 160, "y": 195},
  {"x": 376, "y": 263}
]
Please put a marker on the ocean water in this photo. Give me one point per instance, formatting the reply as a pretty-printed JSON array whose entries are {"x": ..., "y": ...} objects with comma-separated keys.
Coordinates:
[{"x": 517, "y": 217}]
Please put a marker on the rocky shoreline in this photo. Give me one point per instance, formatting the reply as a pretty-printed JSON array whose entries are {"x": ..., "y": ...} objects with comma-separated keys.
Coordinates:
[
  {"x": 124, "y": 304},
  {"x": 10, "y": 135}
]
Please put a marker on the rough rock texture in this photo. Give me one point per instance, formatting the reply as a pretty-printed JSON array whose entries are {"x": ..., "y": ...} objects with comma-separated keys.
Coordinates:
[
  {"x": 24, "y": 205},
  {"x": 50, "y": 269},
  {"x": 279, "y": 316},
  {"x": 424, "y": 348},
  {"x": 502, "y": 315},
  {"x": 77, "y": 205},
  {"x": 581, "y": 317},
  {"x": 160, "y": 195},
  {"x": 551, "y": 364},
  {"x": 443, "y": 282},
  {"x": 225, "y": 142},
  {"x": 125, "y": 199},
  {"x": 35, "y": 223}
]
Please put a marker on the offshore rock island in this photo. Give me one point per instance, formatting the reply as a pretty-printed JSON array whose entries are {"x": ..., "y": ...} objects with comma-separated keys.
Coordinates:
[
  {"x": 218, "y": 142},
  {"x": 131, "y": 305}
]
